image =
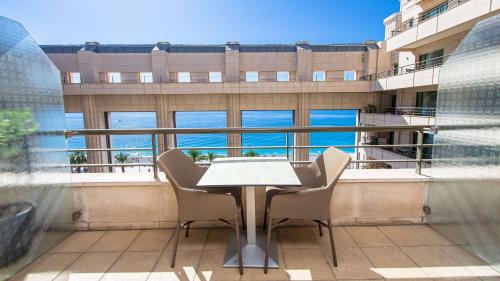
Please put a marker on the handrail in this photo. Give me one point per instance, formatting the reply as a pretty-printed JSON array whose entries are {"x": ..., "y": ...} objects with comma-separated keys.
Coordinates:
[
  {"x": 426, "y": 15},
  {"x": 410, "y": 68},
  {"x": 411, "y": 110}
]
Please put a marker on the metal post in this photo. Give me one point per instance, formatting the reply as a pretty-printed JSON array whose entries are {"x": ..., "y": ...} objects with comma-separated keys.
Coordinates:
[
  {"x": 420, "y": 141},
  {"x": 155, "y": 164},
  {"x": 286, "y": 145}
]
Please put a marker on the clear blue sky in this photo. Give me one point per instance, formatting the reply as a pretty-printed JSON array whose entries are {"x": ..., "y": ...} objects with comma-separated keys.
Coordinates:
[{"x": 201, "y": 21}]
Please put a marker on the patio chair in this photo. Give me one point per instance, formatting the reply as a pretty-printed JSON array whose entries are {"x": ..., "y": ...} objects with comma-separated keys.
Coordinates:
[
  {"x": 309, "y": 203},
  {"x": 197, "y": 204}
]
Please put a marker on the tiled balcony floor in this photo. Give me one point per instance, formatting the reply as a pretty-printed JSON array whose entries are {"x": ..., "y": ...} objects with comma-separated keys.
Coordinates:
[{"x": 384, "y": 252}]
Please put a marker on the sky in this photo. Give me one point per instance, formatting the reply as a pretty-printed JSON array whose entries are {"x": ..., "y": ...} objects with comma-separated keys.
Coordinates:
[{"x": 201, "y": 21}]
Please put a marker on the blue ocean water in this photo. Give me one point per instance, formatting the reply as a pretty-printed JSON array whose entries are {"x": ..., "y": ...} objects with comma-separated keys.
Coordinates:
[{"x": 218, "y": 119}]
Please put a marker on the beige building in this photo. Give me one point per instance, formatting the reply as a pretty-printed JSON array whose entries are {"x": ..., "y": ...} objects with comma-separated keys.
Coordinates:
[{"x": 398, "y": 76}]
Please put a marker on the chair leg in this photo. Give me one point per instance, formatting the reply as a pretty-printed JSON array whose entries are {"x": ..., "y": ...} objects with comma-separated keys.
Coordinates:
[
  {"x": 334, "y": 253},
  {"x": 187, "y": 230},
  {"x": 176, "y": 241},
  {"x": 320, "y": 229},
  {"x": 238, "y": 242},
  {"x": 264, "y": 225},
  {"x": 242, "y": 217},
  {"x": 268, "y": 244}
]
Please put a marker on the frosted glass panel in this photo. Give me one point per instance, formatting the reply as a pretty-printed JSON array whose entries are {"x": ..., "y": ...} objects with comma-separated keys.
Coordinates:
[
  {"x": 36, "y": 202},
  {"x": 464, "y": 194}
]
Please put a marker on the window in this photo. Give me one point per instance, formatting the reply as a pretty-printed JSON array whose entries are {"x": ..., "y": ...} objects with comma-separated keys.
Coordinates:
[
  {"x": 332, "y": 117},
  {"x": 74, "y": 78},
  {"x": 215, "y": 77},
  {"x": 146, "y": 77},
  {"x": 183, "y": 77},
  {"x": 430, "y": 59},
  {"x": 349, "y": 75},
  {"x": 251, "y": 76},
  {"x": 282, "y": 76},
  {"x": 319, "y": 76},
  {"x": 114, "y": 77}
]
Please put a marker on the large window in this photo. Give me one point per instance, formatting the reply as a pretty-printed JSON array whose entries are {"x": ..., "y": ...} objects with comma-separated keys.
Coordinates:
[
  {"x": 252, "y": 76},
  {"x": 183, "y": 77},
  {"x": 282, "y": 76},
  {"x": 333, "y": 118},
  {"x": 430, "y": 59},
  {"x": 73, "y": 78},
  {"x": 146, "y": 77},
  {"x": 215, "y": 77},
  {"x": 74, "y": 121},
  {"x": 132, "y": 120},
  {"x": 202, "y": 119},
  {"x": 114, "y": 77},
  {"x": 266, "y": 118},
  {"x": 319, "y": 76},
  {"x": 349, "y": 75}
]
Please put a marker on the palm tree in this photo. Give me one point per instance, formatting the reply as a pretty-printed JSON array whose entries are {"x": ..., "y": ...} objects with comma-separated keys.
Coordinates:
[
  {"x": 211, "y": 156},
  {"x": 194, "y": 154},
  {"x": 76, "y": 158},
  {"x": 251, "y": 153},
  {"x": 122, "y": 158}
]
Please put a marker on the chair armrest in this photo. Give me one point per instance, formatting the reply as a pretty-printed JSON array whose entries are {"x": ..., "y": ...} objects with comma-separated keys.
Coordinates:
[{"x": 312, "y": 203}]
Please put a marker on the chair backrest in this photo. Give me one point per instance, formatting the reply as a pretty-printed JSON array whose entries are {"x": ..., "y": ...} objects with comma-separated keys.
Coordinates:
[
  {"x": 180, "y": 170},
  {"x": 335, "y": 161}
]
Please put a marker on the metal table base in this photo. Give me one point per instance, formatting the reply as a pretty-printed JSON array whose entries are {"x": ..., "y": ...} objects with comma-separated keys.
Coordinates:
[{"x": 253, "y": 254}]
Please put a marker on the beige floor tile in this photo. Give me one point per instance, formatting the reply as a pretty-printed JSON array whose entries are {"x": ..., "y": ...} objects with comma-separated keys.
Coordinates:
[
  {"x": 89, "y": 267},
  {"x": 116, "y": 240},
  {"x": 210, "y": 267},
  {"x": 297, "y": 237},
  {"x": 429, "y": 256},
  {"x": 388, "y": 257},
  {"x": 307, "y": 264},
  {"x": 185, "y": 267},
  {"x": 151, "y": 240},
  {"x": 432, "y": 236},
  {"x": 195, "y": 241},
  {"x": 217, "y": 238},
  {"x": 462, "y": 256},
  {"x": 368, "y": 236},
  {"x": 132, "y": 266},
  {"x": 78, "y": 241},
  {"x": 352, "y": 264},
  {"x": 46, "y": 267},
  {"x": 404, "y": 235},
  {"x": 257, "y": 274},
  {"x": 340, "y": 236}
]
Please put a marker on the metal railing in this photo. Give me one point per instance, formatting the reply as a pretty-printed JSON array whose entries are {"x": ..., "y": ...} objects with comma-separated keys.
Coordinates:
[
  {"x": 410, "y": 68},
  {"x": 287, "y": 147},
  {"x": 426, "y": 15},
  {"x": 407, "y": 110}
]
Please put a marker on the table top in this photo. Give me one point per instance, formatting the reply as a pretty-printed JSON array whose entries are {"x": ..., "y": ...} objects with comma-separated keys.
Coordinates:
[{"x": 250, "y": 171}]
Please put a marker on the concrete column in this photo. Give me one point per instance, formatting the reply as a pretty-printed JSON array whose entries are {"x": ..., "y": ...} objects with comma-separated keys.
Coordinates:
[
  {"x": 159, "y": 63},
  {"x": 233, "y": 121},
  {"x": 302, "y": 119},
  {"x": 164, "y": 119},
  {"x": 87, "y": 65},
  {"x": 95, "y": 119},
  {"x": 304, "y": 61},
  {"x": 232, "y": 62}
]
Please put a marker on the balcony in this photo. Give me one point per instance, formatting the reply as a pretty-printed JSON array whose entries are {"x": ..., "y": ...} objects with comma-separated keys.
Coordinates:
[
  {"x": 440, "y": 22},
  {"x": 400, "y": 116},
  {"x": 423, "y": 73}
]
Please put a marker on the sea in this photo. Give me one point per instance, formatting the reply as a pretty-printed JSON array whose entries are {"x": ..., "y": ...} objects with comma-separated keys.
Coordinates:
[{"x": 217, "y": 119}]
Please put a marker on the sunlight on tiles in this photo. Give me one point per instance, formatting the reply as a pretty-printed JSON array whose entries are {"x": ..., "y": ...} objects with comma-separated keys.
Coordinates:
[
  {"x": 299, "y": 274},
  {"x": 437, "y": 272}
]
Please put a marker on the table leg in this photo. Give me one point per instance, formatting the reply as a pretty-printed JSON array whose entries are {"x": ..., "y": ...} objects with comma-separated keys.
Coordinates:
[{"x": 253, "y": 245}]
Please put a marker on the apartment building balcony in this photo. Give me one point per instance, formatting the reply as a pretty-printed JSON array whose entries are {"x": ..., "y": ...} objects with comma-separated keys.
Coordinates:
[
  {"x": 444, "y": 20},
  {"x": 136, "y": 88},
  {"x": 400, "y": 116},
  {"x": 423, "y": 73}
]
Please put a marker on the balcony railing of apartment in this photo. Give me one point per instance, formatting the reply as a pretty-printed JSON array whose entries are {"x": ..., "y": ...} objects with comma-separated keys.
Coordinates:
[
  {"x": 421, "y": 65},
  {"x": 289, "y": 148},
  {"x": 424, "y": 16},
  {"x": 407, "y": 110}
]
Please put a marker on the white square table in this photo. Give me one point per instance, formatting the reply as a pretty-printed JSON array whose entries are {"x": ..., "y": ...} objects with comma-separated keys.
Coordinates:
[{"x": 250, "y": 173}]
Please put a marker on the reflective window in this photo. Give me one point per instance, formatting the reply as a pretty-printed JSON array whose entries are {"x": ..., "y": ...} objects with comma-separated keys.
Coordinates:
[
  {"x": 282, "y": 76},
  {"x": 319, "y": 76},
  {"x": 341, "y": 117},
  {"x": 146, "y": 77},
  {"x": 252, "y": 76},
  {"x": 349, "y": 75},
  {"x": 74, "y": 77},
  {"x": 183, "y": 77},
  {"x": 114, "y": 77},
  {"x": 215, "y": 77}
]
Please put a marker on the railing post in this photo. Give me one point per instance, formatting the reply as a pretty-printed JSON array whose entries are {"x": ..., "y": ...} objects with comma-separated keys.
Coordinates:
[
  {"x": 286, "y": 145},
  {"x": 155, "y": 164},
  {"x": 420, "y": 141}
]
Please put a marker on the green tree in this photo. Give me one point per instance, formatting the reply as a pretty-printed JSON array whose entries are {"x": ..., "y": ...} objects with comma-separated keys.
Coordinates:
[
  {"x": 123, "y": 158},
  {"x": 15, "y": 124},
  {"x": 195, "y": 154},
  {"x": 77, "y": 158},
  {"x": 211, "y": 156},
  {"x": 251, "y": 153}
]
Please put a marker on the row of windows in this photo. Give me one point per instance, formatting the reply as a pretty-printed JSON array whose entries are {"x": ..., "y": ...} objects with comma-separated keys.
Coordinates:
[{"x": 213, "y": 77}]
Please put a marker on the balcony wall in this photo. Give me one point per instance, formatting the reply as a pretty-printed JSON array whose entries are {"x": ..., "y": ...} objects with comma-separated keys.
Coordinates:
[
  {"x": 111, "y": 201},
  {"x": 215, "y": 88},
  {"x": 379, "y": 119},
  {"x": 383, "y": 154},
  {"x": 425, "y": 77},
  {"x": 453, "y": 21}
]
